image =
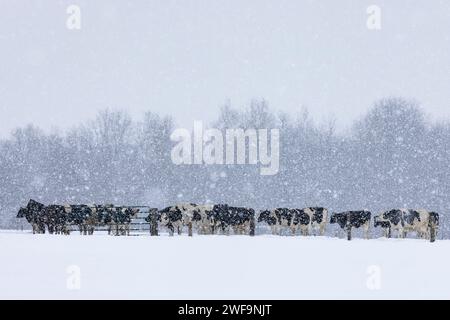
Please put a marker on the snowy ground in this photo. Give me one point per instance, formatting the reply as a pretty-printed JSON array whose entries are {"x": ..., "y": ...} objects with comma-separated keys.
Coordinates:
[{"x": 212, "y": 267}]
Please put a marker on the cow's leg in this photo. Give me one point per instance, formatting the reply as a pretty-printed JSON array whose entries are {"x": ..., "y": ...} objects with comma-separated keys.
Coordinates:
[
  {"x": 292, "y": 230},
  {"x": 303, "y": 230},
  {"x": 322, "y": 229},
  {"x": 251, "y": 227},
  {"x": 366, "y": 230},
  {"x": 311, "y": 229},
  {"x": 273, "y": 229},
  {"x": 189, "y": 229},
  {"x": 432, "y": 232},
  {"x": 349, "y": 232},
  {"x": 171, "y": 229}
]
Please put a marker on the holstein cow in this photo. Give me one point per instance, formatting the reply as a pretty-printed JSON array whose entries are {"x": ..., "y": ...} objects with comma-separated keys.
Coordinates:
[
  {"x": 282, "y": 218},
  {"x": 307, "y": 220},
  {"x": 319, "y": 219},
  {"x": 177, "y": 216},
  {"x": 128, "y": 214},
  {"x": 105, "y": 214},
  {"x": 241, "y": 219},
  {"x": 57, "y": 219},
  {"x": 269, "y": 218},
  {"x": 201, "y": 218},
  {"x": 352, "y": 219},
  {"x": 121, "y": 219},
  {"x": 423, "y": 222},
  {"x": 35, "y": 215},
  {"x": 223, "y": 218},
  {"x": 31, "y": 219},
  {"x": 80, "y": 215},
  {"x": 310, "y": 220}
]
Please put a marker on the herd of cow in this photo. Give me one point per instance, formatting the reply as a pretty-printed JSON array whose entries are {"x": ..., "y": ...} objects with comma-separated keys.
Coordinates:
[{"x": 223, "y": 219}]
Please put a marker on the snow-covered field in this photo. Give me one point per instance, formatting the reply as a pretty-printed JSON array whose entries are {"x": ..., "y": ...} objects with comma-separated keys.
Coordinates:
[{"x": 213, "y": 267}]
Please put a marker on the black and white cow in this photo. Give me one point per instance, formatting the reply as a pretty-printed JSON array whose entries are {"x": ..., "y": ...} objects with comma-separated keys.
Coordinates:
[
  {"x": 319, "y": 219},
  {"x": 280, "y": 219},
  {"x": 34, "y": 212},
  {"x": 178, "y": 216},
  {"x": 268, "y": 217},
  {"x": 240, "y": 219},
  {"x": 79, "y": 215},
  {"x": 57, "y": 219},
  {"x": 423, "y": 222},
  {"x": 224, "y": 218},
  {"x": 306, "y": 220},
  {"x": 352, "y": 219},
  {"x": 31, "y": 219},
  {"x": 201, "y": 221},
  {"x": 120, "y": 220},
  {"x": 128, "y": 213}
]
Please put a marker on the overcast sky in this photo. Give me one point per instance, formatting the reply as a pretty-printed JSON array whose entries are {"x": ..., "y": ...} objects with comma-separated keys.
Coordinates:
[{"x": 186, "y": 58}]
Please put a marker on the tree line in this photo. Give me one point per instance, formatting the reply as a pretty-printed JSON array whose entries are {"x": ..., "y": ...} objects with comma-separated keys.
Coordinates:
[{"x": 392, "y": 157}]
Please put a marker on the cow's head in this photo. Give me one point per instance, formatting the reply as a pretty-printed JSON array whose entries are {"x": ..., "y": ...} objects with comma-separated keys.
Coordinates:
[
  {"x": 22, "y": 212},
  {"x": 164, "y": 216},
  {"x": 334, "y": 218}
]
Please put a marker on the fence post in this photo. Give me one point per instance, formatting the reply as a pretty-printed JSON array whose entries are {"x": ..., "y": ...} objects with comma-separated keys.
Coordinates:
[
  {"x": 153, "y": 225},
  {"x": 190, "y": 229}
]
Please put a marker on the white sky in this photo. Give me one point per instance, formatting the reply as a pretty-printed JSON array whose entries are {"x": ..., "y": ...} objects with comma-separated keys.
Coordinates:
[{"x": 186, "y": 58}]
